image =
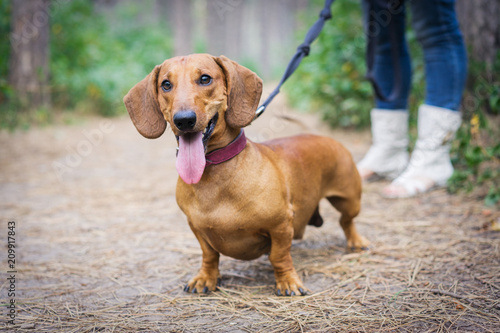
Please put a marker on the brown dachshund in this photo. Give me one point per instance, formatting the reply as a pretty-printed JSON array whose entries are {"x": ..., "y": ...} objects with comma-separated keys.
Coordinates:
[{"x": 242, "y": 199}]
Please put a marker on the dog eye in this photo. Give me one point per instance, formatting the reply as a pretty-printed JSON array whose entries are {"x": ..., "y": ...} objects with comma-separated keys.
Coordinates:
[
  {"x": 166, "y": 85},
  {"x": 205, "y": 80}
]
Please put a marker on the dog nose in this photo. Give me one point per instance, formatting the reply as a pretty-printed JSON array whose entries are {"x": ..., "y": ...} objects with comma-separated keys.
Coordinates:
[{"x": 185, "y": 120}]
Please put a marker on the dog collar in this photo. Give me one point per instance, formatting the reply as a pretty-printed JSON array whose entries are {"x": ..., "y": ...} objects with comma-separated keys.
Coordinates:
[{"x": 222, "y": 155}]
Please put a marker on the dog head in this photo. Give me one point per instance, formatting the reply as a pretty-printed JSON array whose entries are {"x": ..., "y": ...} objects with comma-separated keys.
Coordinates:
[{"x": 200, "y": 96}]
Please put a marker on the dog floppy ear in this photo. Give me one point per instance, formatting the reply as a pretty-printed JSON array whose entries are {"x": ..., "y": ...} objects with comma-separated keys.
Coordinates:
[
  {"x": 244, "y": 89},
  {"x": 142, "y": 106}
]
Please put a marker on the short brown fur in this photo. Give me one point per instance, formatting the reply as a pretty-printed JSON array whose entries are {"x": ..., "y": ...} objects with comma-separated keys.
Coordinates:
[{"x": 261, "y": 199}]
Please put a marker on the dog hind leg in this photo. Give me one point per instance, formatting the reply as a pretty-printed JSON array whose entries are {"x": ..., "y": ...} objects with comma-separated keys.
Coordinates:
[{"x": 349, "y": 208}]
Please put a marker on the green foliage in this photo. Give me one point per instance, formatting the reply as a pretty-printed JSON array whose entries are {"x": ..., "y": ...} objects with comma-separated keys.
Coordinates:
[
  {"x": 331, "y": 79},
  {"x": 96, "y": 59},
  {"x": 417, "y": 94},
  {"x": 8, "y": 115},
  {"x": 476, "y": 151},
  {"x": 5, "y": 9}
]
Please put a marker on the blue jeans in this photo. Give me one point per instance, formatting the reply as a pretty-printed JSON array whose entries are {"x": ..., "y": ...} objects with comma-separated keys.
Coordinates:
[{"x": 437, "y": 31}]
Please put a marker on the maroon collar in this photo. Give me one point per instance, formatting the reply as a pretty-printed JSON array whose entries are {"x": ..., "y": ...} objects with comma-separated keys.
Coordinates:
[{"x": 228, "y": 152}]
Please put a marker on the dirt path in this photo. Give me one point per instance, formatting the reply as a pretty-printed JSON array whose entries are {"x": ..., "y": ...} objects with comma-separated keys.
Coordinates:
[{"x": 102, "y": 246}]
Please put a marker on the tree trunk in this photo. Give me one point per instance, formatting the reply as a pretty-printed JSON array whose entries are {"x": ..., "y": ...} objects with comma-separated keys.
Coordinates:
[
  {"x": 480, "y": 25},
  {"x": 180, "y": 16},
  {"x": 217, "y": 12},
  {"x": 29, "y": 57}
]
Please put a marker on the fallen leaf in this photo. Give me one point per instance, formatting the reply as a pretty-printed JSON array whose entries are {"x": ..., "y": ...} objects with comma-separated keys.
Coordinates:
[
  {"x": 486, "y": 212},
  {"x": 459, "y": 306}
]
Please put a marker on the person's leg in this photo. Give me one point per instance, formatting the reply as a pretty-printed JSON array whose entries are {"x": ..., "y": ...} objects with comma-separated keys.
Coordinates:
[
  {"x": 378, "y": 22},
  {"x": 445, "y": 58},
  {"x": 388, "y": 154}
]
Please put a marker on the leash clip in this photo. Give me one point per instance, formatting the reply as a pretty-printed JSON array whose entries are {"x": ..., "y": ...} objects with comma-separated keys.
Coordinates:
[
  {"x": 177, "y": 148},
  {"x": 259, "y": 111}
]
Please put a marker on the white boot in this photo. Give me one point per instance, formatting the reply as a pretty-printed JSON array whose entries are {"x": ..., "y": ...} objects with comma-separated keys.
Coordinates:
[
  {"x": 430, "y": 164},
  {"x": 388, "y": 155}
]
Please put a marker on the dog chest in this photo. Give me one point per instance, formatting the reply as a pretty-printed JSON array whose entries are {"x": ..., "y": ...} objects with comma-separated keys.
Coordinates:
[
  {"x": 238, "y": 226},
  {"x": 235, "y": 239}
]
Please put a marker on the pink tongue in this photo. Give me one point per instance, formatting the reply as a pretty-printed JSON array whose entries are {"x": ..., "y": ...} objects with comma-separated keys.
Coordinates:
[{"x": 191, "y": 157}]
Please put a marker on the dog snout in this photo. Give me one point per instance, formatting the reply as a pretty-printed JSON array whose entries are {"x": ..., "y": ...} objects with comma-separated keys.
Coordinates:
[{"x": 185, "y": 120}]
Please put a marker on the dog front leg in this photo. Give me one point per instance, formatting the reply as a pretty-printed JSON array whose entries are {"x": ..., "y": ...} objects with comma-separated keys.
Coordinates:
[
  {"x": 288, "y": 282},
  {"x": 208, "y": 276}
]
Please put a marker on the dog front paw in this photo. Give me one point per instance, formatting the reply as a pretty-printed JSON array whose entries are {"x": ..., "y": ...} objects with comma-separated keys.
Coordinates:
[
  {"x": 290, "y": 285},
  {"x": 203, "y": 283}
]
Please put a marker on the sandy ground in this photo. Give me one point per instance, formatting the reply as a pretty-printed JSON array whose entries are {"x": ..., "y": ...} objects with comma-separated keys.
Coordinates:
[{"x": 102, "y": 246}]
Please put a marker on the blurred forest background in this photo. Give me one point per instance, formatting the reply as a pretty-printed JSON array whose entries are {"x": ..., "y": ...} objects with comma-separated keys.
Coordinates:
[{"x": 64, "y": 56}]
